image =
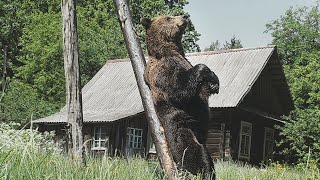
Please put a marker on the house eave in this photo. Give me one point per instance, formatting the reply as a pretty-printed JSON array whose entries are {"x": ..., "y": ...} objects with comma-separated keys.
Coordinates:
[{"x": 262, "y": 114}]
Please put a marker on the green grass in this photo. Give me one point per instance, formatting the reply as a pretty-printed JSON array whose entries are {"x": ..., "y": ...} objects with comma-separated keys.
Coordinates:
[
  {"x": 27, "y": 154},
  {"x": 52, "y": 166},
  {"x": 234, "y": 171}
]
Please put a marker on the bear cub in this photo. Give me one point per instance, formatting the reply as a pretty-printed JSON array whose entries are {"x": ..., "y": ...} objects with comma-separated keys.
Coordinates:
[{"x": 180, "y": 93}]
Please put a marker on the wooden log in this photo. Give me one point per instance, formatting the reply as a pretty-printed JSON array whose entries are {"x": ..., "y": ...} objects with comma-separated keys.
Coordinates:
[
  {"x": 138, "y": 63},
  {"x": 72, "y": 74}
]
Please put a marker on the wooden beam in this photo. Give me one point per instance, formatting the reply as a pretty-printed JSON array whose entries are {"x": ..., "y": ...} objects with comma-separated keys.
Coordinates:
[{"x": 138, "y": 63}]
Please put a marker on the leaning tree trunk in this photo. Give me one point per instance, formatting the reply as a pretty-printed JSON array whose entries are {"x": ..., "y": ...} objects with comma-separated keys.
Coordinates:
[
  {"x": 138, "y": 63},
  {"x": 72, "y": 74}
]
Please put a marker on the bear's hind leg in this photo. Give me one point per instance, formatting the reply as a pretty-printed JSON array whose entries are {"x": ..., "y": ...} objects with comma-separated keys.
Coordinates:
[{"x": 191, "y": 155}]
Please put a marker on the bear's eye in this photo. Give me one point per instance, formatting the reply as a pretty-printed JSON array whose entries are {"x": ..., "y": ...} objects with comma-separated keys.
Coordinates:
[{"x": 168, "y": 18}]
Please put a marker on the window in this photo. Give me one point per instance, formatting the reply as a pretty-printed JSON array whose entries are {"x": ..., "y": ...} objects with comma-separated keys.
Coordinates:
[
  {"x": 268, "y": 143},
  {"x": 134, "y": 138},
  {"x": 245, "y": 140},
  {"x": 99, "y": 138}
]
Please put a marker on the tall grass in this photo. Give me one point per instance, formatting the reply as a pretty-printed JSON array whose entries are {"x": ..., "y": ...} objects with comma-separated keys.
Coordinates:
[
  {"x": 233, "y": 171},
  {"x": 50, "y": 166},
  {"x": 29, "y": 155}
]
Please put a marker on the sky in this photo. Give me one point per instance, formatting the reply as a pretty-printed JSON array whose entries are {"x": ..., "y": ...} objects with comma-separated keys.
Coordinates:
[{"x": 246, "y": 19}]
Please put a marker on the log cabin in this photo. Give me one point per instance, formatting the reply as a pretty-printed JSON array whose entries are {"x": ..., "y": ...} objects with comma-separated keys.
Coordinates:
[{"x": 253, "y": 96}]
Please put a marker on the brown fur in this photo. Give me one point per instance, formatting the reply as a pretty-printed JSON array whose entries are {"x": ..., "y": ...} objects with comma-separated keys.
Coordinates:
[{"x": 180, "y": 93}]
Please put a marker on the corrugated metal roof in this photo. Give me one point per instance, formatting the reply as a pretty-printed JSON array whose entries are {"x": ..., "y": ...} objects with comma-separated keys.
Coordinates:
[{"x": 112, "y": 93}]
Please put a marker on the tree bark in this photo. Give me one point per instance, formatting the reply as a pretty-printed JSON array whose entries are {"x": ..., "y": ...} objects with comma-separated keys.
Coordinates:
[
  {"x": 4, "y": 74},
  {"x": 138, "y": 63},
  {"x": 72, "y": 74}
]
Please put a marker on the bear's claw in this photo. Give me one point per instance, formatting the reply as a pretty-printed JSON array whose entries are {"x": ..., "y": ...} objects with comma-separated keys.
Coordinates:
[{"x": 214, "y": 88}]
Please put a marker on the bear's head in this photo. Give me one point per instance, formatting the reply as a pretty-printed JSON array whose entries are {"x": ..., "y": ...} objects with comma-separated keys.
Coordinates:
[{"x": 164, "y": 34}]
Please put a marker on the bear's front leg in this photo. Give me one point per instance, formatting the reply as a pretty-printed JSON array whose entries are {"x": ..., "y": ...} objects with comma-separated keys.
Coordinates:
[{"x": 201, "y": 75}]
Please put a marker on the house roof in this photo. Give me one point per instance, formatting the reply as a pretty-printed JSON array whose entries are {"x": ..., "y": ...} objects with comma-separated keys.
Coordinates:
[{"x": 113, "y": 94}]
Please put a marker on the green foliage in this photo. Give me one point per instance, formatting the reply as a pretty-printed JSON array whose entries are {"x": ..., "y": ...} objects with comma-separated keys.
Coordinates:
[
  {"x": 153, "y": 8},
  {"x": 302, "y": 135},
  {"x": 11, "y": 24},
  {"x": 233, "y": 44},
  {"x": 26, "y": 140},
  {"x": 28, "y": 154},
  {"x": 297, "y": 36},
  {"x": 214, "y": 46},
  {"x": 232, "y": 170},
  {"x": 22, "y": 102},
  {"x": 100, "y": 37},
  {"x": 32, "y": 31},
  {"x": 52, "y": 166},
  {"x": 41, "y": 55}
]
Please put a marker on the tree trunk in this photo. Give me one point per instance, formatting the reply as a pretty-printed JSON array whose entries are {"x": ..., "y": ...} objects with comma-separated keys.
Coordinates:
[
  {"x": 4, "y": 74},
  {"x": 72, "y": 74},
  {"x": 138, "y": 64}
]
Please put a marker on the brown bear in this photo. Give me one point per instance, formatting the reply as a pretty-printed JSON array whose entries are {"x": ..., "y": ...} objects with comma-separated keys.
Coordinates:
[{"x": 180, "y": 93}]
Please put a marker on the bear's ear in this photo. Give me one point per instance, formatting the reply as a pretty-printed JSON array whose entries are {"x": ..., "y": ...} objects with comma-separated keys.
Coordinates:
[{"x": 146, "y": 22}]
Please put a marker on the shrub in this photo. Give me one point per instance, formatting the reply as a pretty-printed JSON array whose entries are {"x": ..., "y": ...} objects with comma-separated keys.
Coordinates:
[
  {"x": 302, "y": 136},
  {"x": 26, "y": 140}
]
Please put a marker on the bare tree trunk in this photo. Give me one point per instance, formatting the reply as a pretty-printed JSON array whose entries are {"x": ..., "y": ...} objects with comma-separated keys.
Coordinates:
[
  {"x": 138, "y": 63},
  {"x": 4, "y": 80},
  {"x": 4, "y": 74},
  {"x": 72, "y": 74}
]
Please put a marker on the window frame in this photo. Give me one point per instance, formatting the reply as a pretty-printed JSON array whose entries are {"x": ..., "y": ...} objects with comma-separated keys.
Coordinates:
[
  {"x": 266, "y": 129},
  {"x": 101, "y": 138},
  {"x": 135, "y": 144},
  {"x": 243, "y": 124}
]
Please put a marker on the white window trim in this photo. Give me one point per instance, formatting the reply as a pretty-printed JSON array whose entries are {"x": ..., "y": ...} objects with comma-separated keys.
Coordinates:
[
  {"x": 244, "y": 123},
  {"x": 265, "y": 138},
  {"x": 100, "y": 140},
  {"x": 128, "y": 142}
]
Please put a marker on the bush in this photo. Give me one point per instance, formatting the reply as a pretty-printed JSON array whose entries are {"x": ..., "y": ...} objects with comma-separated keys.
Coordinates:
[
  {"x": 302, "y": 136},
  {"x": 26, "y": 140}
]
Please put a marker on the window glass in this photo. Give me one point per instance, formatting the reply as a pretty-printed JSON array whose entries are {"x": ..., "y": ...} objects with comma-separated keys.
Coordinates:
[
  {"x": 134, "y": 138},
  {"x": 245, "y": 140},
  {"x": 268, "y": 143},
  {"x": 99, "y": 137}
]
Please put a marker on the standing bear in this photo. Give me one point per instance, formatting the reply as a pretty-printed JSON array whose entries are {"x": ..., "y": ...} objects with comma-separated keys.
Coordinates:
[{"x": 180, "y": 93}]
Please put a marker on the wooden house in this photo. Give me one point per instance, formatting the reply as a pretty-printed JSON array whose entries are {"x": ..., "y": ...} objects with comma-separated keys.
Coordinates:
[{"x": 253, "y": 96}]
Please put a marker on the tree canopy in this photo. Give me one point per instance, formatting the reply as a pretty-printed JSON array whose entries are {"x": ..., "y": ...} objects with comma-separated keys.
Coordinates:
[
  {"x": 297, "y": 35},
  {"x": 234, "y": 43}
]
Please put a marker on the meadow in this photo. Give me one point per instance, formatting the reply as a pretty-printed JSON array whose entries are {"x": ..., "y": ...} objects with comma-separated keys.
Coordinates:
[{"x": 27, "y": 154}]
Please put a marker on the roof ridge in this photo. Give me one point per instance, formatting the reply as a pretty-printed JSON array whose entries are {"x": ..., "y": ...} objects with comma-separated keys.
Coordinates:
[
  {"x": 228, "y": 51},
  {"x": 202, "y": 53},
  {"x": 118, "y": 60}
]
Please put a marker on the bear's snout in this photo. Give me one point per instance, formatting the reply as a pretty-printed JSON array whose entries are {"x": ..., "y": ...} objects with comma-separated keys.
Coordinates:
[{"x": 186, "y": 17}]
